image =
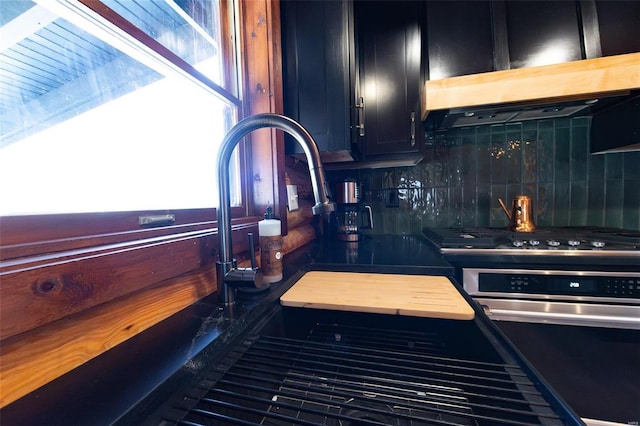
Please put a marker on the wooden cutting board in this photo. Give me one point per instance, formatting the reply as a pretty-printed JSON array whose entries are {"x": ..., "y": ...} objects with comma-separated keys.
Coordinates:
[{"x": 410, "y": 295}]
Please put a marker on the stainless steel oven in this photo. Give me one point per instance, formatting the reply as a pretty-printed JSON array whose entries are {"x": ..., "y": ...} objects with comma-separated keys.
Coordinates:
[
  {"x": 569, "y": 300},
  {"x": 570, "y": 297}
]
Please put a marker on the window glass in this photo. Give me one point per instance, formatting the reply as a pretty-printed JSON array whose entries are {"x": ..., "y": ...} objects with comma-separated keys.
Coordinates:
[
  {"x": 86, "y": 127},
  {"x": 189, "y": 28}
]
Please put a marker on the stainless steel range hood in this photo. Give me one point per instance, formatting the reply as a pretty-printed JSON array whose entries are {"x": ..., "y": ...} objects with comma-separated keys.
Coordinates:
[{"x": 561, "y": 90}]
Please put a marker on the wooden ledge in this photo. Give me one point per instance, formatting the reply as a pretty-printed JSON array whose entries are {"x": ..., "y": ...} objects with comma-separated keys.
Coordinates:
[{"x": 565, "y": 81}]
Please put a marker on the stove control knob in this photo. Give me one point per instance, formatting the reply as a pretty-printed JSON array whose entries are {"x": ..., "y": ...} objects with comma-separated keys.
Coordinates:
[
  {"x": 597, "y": 244},
  {"x": 518, "y": 243},
  {"x": 573, "y": 243},
  {"x": 534, "y": 243},
  {"x": 553, "y": 243}
]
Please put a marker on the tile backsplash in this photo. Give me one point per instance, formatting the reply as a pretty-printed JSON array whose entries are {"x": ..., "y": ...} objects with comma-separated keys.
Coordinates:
[{"x": 466, "y": 170}]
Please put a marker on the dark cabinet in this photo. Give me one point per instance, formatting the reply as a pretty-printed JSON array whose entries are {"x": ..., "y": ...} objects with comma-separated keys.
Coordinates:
[
  {"x": 354, "y": 69},
  {"x": 389, "y": 80},
  {"x": 542, "y": 32},
  {"x": 352, "y": 74},
  {"x": 458, "y": 38},
  {"x": 618, "y": 26},
  {"x": 470, "y": 37},
  {"x": 318, "y": 70}
]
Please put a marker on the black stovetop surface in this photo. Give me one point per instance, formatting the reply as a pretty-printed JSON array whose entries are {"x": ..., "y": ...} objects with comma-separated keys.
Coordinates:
[{"x": 496, "y": 238}]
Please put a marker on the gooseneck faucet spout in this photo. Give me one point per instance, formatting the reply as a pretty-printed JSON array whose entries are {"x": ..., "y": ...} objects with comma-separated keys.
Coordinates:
[{"x": 228, "y": 275}]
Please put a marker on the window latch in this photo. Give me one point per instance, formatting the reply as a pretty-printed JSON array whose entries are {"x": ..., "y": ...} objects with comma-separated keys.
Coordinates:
[{"x": 156, "y": 220}]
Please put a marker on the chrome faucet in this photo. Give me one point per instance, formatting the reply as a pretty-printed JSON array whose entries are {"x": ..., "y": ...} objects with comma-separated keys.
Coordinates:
[{"x": 228, "y": 275}]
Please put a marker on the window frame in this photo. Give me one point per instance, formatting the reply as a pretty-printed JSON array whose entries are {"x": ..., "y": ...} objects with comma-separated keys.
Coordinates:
[
  {"x": 51, "y": 255},
  {"x": 57, "y": 232}
]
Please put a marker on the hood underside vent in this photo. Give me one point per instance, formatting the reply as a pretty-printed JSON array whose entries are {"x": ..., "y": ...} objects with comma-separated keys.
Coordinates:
[{"x": 478, "y": 117}]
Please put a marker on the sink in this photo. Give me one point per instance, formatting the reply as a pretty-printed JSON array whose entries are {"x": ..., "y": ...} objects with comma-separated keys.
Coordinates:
[{"x": 316, "y": 366}]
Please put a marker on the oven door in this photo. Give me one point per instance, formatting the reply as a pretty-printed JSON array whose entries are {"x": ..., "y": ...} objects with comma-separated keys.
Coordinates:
[
  {"x": 584, "y": 298},
  {"x": 585, "y": 343}
]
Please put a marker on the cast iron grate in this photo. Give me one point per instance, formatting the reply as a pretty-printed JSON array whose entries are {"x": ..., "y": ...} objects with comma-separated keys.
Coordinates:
[{"x": 340, "y": 375}]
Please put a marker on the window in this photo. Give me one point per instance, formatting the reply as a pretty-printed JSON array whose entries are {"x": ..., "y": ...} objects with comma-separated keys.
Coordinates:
[
  {"x": 109, "y": 116},
  {"x": 97, "y": 117}
]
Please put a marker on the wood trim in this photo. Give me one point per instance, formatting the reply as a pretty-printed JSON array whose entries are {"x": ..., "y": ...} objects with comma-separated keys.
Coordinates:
[
  {"x": 40, "y": 289},
  {"x": 58, "y": 347},
  {"x": 585, "y": 78},
  {"x": 31, "y": 235}
]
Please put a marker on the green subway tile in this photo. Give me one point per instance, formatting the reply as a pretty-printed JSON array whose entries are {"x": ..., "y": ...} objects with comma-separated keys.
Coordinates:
[
  {"x": 441, "y": 210},
  {"x": 545, "y": 125},
  {"x": 455, "y": 207},
  {"x": 483, "y": 216},
  {"x": 459, "y": 180},
  {"x": 415, "y": 224},
  {"x": 498, "y": 155},
  {"x": 613, "y": 165},
  {"x": 562, "y": 123},
  {"x": 561, "y": 204},
  {"x": 632, "y": 165},
  {"x": 631, "y": 204},
  {"x": 614, "y": 193},
  {"x": 579, "y": 153},
  {"x": 595, "y": 203},
  {"x": 596, "y": 167},
  {"x": 514, "y": 146},
  {"x": 529, "y": 156},
  {"x": 544, "y": 201},
  {"x": 469, "y": 203},
  {"x": 545, "y": 153},
  {"x": 578, "y": 215},
  {"x": 403, "y": 221},
  {"x": 562, "y": 154},
  {"x": 497, "y": 216},
  {"x": 483, "y": 159}
]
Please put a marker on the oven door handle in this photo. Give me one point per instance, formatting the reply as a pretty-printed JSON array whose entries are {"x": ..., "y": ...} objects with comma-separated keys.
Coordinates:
[{"x": 581, "y": 314}]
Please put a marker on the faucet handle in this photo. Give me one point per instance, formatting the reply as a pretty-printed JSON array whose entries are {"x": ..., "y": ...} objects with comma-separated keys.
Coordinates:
[{"x": 252, "y": 253}]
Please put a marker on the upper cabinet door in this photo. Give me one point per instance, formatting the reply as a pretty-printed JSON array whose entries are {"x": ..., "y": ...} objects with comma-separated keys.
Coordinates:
[
  {"x": 458, "y": 38},
  {"x": 542, "y": 32},
  {"x": 318, "y": 44},
  {"x": 389, "y": 51},
  {"x": 619, "y": 26}
]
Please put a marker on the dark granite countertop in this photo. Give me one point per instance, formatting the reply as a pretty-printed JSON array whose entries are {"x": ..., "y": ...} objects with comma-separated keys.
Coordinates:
[{"x": 145, "y": 370}]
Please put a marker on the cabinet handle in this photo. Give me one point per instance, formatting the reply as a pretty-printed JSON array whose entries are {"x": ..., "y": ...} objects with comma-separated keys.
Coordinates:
[
  {"x": 413, "y": 129},
  {"x": 360, "y": 125}
]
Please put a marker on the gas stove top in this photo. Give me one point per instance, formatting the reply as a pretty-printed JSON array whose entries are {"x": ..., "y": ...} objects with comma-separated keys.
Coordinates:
[{"x": 582, "y": 241}]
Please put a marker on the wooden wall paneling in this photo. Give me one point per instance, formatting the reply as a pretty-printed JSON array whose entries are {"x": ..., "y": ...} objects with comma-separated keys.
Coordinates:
[
  {"x": 34, "y": 359},
  {"x": 35, "y": 294},
  {"x": 40, "y": 289},
  {"x": 262, "y": 52},
  {"x": 297, "y": 173},
  {"x": 60, "y": 346},
  {"x": 297, "y": 237},
  {"x": 301, "y": 216}
]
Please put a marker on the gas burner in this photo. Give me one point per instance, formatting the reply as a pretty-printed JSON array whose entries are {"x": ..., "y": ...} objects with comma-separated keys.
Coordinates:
[{"x": 554, "y": 241}]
